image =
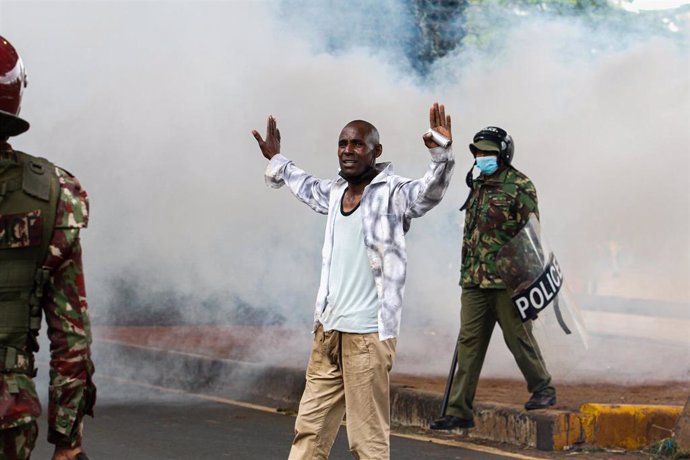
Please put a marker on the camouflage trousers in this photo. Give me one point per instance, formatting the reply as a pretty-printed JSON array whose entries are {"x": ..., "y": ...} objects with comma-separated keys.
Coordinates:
[{"x": 18, "y": 442}]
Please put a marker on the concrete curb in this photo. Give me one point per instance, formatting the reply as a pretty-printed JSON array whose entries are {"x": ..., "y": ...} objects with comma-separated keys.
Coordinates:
[
  {"x": 598, "y": 425},
  {"x": 629, "y": 426},
  {"x": 543, "y": 429}
]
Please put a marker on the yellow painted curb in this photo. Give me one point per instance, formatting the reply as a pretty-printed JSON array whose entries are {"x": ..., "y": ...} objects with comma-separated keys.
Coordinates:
[
  {"x": 570, "y": 429},
  {"x": 627, "y": 426}
]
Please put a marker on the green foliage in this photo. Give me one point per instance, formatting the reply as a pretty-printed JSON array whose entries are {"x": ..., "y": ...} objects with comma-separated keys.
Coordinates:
[
  {"x": 486, "y": 21},
  {"x": 668, "y": 448}
]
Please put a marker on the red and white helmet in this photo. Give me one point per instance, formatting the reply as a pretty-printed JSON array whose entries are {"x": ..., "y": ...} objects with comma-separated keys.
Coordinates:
[{"x": 12, "y": 83}]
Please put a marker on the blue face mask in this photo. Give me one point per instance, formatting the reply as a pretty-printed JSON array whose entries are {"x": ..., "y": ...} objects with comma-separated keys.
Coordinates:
[{"x": 487, "y": 165}]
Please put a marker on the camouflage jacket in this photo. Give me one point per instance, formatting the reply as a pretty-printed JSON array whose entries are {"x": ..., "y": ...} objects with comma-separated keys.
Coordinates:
[
  {"x": 389, "y": 203},
  {"x": 498, "y": 207},
  {"x": 72, "y": 392}
]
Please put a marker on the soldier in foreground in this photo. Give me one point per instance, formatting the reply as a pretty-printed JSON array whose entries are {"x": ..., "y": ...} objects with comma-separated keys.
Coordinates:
[
  {"x": 498, "y": 206},
  {"x": 42, "y": 210},
  {"x": 359, "y": 304}
]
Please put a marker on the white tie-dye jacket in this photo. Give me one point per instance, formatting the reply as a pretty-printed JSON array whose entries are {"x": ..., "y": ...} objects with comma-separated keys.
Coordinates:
[{"x": 388, "y": 205}]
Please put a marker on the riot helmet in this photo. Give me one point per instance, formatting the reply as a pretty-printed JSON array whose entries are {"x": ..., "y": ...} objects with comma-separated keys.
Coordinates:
[
  {"x": 12, "y": 83},
  {"x": 493, "y": 139},
  {"x": 501, "y": 138}
]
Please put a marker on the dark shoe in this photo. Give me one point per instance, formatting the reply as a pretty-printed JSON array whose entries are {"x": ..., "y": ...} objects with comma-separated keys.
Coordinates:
[
  {"x": 540, "y": 401},
  {"x": 449, "y": 422}
]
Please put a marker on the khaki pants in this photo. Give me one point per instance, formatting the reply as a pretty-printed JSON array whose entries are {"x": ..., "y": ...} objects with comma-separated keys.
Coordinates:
[
  {"x": 481, "y": 310},
  {"x": 347, "y": 374}
]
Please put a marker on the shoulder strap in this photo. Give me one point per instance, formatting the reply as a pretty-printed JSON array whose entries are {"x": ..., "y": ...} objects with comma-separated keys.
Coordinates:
[{"x": 36, "y": 177}]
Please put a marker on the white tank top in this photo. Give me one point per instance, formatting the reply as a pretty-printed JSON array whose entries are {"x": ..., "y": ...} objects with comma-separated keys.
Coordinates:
[{"x": 351, "y": 304}]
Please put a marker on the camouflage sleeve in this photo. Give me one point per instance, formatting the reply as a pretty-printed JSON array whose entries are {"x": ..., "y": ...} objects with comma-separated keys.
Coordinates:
[
  {"x": 72, "y": 392},
  {"x": 526, "y": 202}
]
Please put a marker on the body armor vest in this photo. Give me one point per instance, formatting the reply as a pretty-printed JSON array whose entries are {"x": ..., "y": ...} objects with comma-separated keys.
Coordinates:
[{"x": 29, "y": 192}]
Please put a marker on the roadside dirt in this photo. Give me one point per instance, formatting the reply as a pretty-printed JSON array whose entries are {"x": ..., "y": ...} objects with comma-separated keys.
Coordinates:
[
  {"x": 570, "y": 396},
  {"x": 240, "y": 343}
]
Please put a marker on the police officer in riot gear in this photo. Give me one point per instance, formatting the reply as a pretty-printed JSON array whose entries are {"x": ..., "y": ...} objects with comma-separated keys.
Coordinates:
[
  {"x": 42, "y": 210},
  {"x": 500, "y": 201}
]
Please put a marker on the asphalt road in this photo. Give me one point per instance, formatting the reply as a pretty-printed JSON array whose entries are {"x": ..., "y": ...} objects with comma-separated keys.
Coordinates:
[{"x": 139, "y": 422}]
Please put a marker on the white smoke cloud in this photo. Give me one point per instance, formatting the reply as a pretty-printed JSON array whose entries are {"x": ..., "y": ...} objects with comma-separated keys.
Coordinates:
[{"x": 151, "y": 105}]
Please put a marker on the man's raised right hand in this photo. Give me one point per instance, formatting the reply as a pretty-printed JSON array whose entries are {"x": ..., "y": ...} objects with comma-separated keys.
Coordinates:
[{"x": 271, "y": 146}]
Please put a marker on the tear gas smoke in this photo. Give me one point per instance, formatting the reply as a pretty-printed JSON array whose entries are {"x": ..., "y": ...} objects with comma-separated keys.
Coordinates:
[{"x": 151, "y": 105}]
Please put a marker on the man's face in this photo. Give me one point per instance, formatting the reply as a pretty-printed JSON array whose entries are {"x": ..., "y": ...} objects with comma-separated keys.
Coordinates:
[{"x": 356, "y": 151}]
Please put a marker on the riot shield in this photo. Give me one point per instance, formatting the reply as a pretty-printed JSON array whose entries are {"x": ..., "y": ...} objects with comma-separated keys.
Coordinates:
[{"x": 541, "y": 296}]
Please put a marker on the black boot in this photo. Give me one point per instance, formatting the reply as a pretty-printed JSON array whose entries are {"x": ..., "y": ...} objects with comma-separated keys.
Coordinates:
[
  {"x": 540, "y": 400},
  {"x": 450, "y": 422}
]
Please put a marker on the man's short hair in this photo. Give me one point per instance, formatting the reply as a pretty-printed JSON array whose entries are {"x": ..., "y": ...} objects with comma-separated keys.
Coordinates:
[{"x": 373, "y": 132}]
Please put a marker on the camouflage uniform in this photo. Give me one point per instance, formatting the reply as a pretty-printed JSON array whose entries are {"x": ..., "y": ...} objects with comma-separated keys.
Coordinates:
[
  {"x": 497, "y": 208},
  {"x": 63, "y": 302}
]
